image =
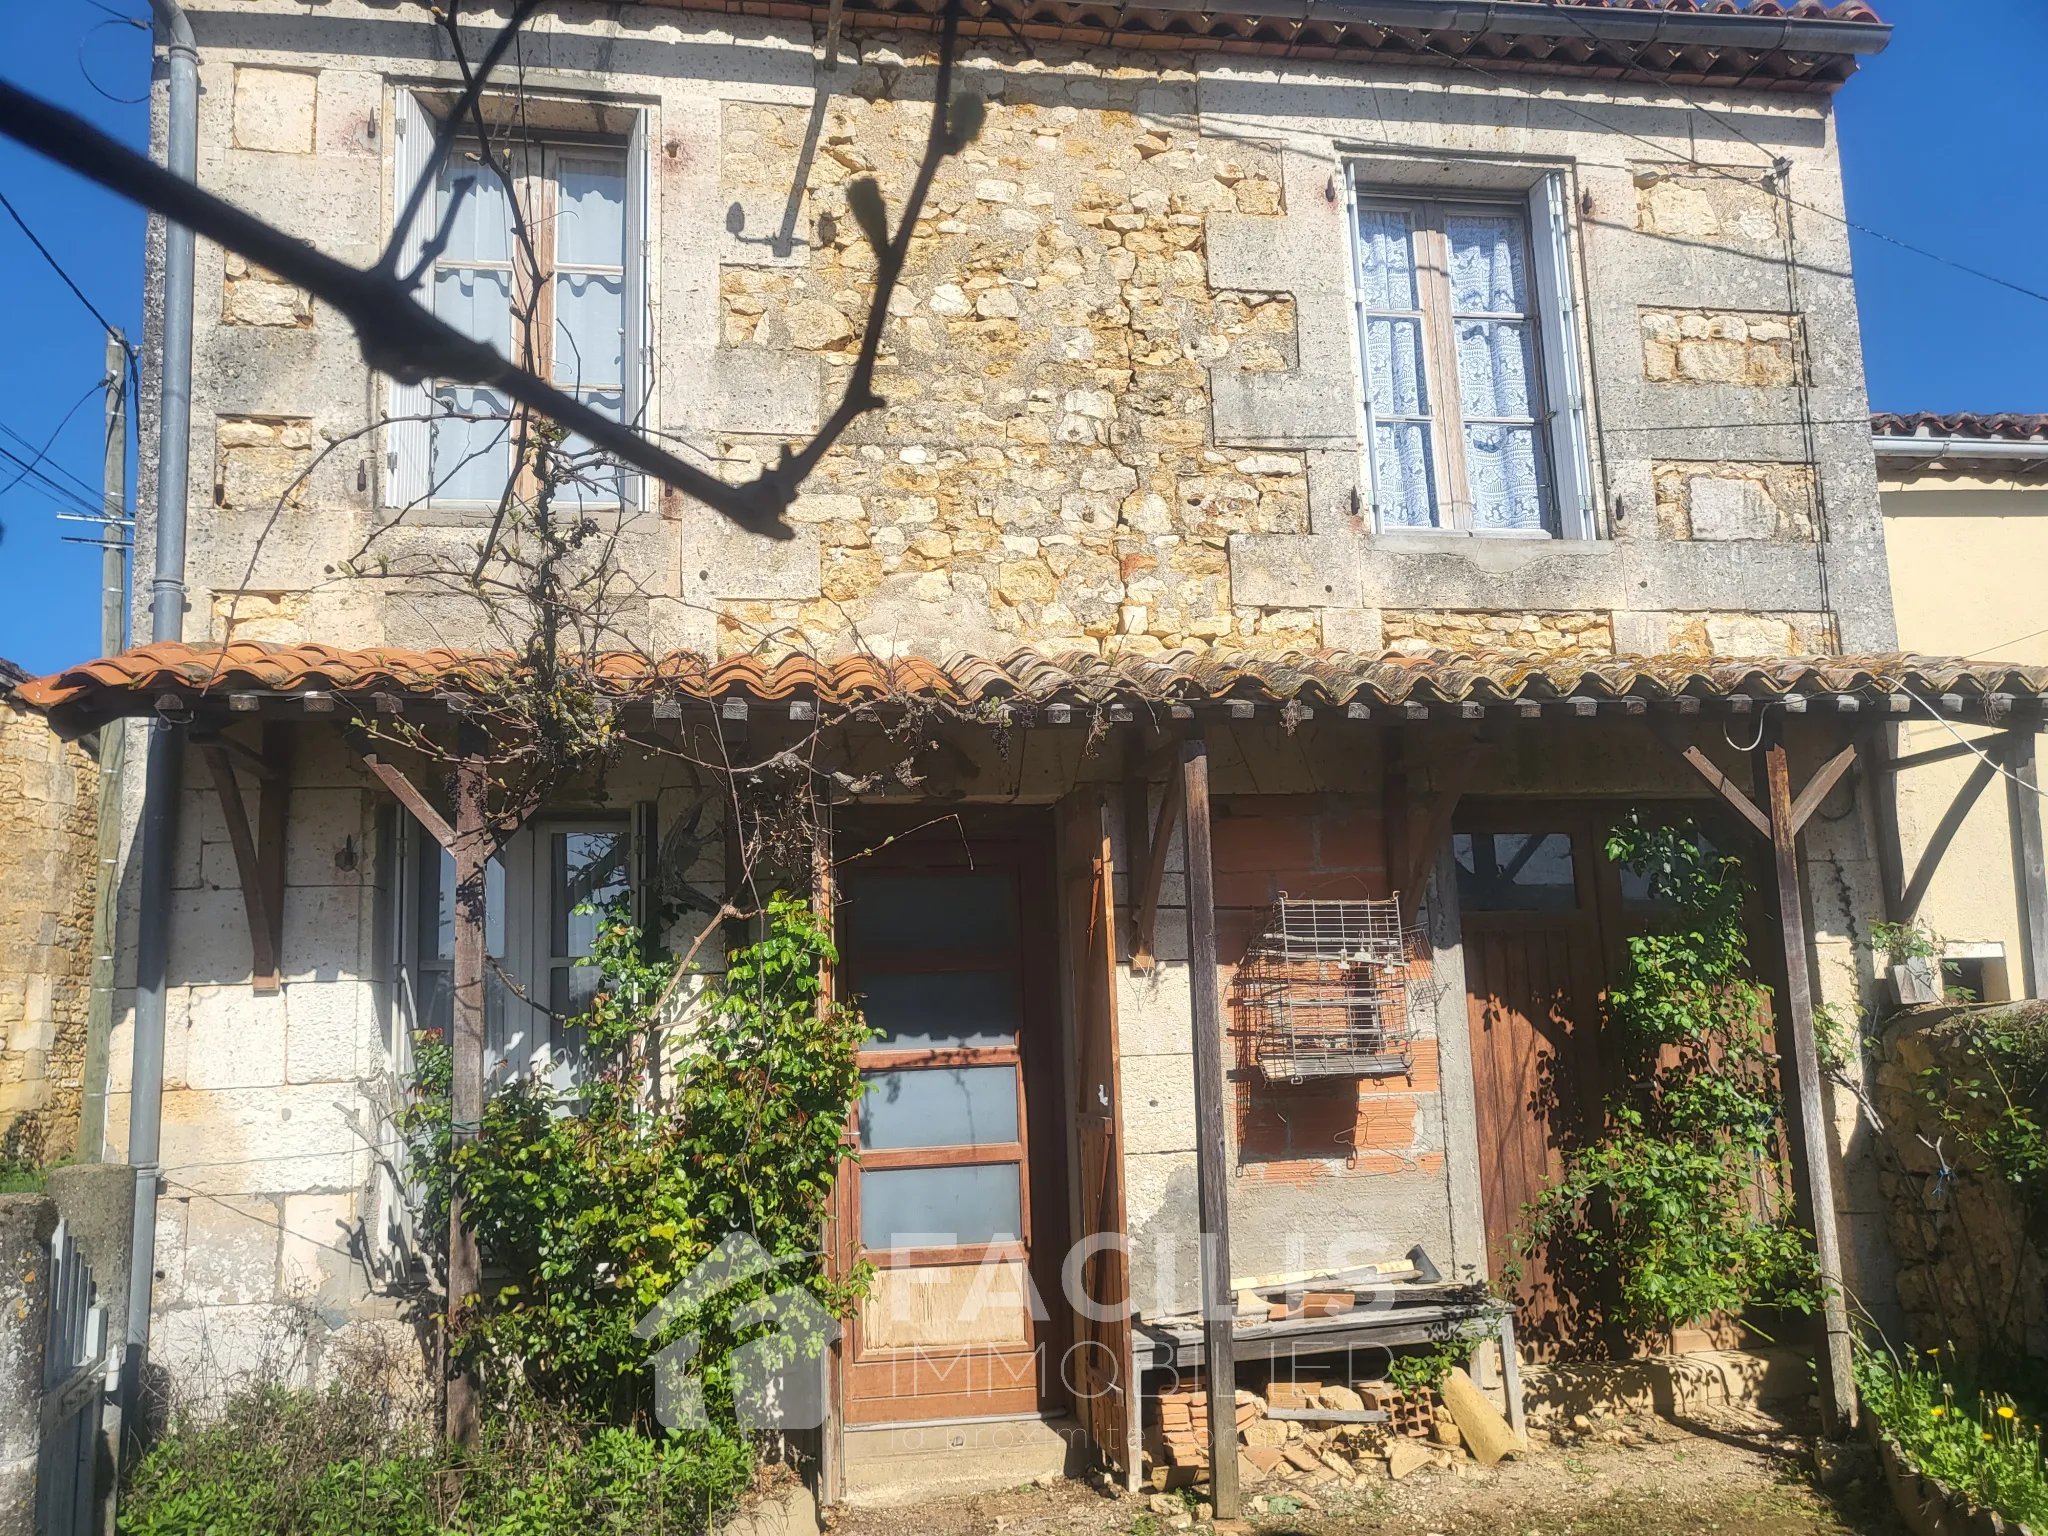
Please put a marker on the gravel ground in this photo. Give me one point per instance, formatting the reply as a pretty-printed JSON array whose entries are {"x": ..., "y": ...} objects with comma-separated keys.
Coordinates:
[{"x": 1736, "y": 1475}]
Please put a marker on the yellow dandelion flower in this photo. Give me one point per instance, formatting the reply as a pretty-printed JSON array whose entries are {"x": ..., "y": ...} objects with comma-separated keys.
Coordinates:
[
  {"x": 1987, "y": 1436},
  {"x": 1934, "y": 1412},
  {"x": 2005, "y": 1412}
]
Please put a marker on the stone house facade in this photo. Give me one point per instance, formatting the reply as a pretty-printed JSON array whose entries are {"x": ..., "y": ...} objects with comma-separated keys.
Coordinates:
[{"x": 1433, "y": 421}]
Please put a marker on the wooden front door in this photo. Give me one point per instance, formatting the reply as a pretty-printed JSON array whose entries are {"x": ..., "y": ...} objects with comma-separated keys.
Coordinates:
[
  {"x": 947, "y": 944},
  {"x": 1535, "y": 952}
]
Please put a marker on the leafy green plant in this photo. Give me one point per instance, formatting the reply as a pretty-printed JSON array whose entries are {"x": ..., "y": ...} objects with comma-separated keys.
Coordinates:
[
  {"x": 1424, "y": 1369},
  {"x": 1901, "y": 943},
  {"x": 591, "y": 1206},
  {"x": 1678, "y": 1204},
  {"x": 1981, "y": 1442},
  {"x": 1990, "y": 1088},
  {"x": 279, "y": 1462}
]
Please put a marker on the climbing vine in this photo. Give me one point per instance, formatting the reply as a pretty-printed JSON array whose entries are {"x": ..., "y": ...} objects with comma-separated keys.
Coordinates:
[
  {"x": 1990, "y": 1089},
  {"x": 1678, "y": 1205},
  {"x": 591, "y": 1203}
]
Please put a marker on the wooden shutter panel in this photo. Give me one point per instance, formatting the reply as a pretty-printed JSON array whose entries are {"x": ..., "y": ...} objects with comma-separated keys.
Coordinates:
[
  {"x": 639, "y": 351},
  {"x": 1564, "y": 376},
  {"x": 409, "y": 444}
]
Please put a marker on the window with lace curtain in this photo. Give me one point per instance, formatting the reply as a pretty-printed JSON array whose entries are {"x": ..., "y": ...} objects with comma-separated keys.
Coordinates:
[
  {"x": 544, "y": 261},
  {"x": 1459, "y": 436}
]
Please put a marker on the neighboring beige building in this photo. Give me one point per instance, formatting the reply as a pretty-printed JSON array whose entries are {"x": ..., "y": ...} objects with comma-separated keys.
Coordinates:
[
  {"x": 49, "y": 799},
  {"x": 1966, "y": 527}
]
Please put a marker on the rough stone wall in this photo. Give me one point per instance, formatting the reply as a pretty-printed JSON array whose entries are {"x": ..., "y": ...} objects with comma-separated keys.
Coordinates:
[
  {"x": 1123, "y": 396},
  {"x": 1972, "y": 1270},
  {"x": 49, "y": 808},
  {"x": 1557, "y": 634}
]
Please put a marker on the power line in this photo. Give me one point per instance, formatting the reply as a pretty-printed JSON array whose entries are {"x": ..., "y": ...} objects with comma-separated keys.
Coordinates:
[
  {"x": 51, "y": 489},
  {"x": 44, "y": 451},
  {"x": 58, "y": 267},
  {"x": 1777, "y": 164},
  {"x": 76, "y": 486}
]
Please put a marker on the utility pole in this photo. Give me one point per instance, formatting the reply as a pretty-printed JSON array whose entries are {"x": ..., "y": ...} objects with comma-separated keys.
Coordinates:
[{"x": 92, "y": 1099}]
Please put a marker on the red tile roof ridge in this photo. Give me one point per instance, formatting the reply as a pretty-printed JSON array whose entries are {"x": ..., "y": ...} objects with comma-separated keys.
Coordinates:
[
  {"x": 1025, "y": 675},
  {"x": 2009, "y": 426}
]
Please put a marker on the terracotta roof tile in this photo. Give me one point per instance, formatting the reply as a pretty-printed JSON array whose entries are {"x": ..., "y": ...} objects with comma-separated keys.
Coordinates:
[
  {"x": 1578, "y": 37},
  {"x": 132, "y": 682},
  {"x": 2004, "y": 426}
]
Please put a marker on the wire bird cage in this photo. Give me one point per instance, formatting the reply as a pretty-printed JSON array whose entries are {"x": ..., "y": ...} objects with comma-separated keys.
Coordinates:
[{"x": 1323, "y": 991}]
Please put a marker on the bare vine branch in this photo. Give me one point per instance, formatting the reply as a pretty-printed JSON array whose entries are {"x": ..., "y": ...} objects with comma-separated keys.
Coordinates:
[{"x": 405, "y": 340}]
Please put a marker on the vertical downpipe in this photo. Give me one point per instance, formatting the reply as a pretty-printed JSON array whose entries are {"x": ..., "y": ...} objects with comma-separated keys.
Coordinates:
[{"x": 166, "y": 743}]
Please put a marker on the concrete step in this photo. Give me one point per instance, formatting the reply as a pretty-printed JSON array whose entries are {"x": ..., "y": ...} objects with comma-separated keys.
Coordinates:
[{"x": 899, "y": 1463}]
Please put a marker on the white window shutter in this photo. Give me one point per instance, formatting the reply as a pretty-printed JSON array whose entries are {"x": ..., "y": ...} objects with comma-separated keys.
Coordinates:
[
  {"x": 1550, "y": 226},
  {"x": 639, "y": 350},
  {"x": 409, "y": 443}
]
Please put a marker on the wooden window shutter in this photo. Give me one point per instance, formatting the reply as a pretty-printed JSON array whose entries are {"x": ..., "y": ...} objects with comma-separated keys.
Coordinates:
[
  {"x": 1550, "y": 228},
  {"x": 409, "y": 443}
]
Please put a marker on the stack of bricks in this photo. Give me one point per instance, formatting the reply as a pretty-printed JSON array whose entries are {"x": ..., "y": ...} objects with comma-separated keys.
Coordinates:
[
  {"x": 1183, "y": 1425},
  {"x": 1411, "y": 1414}
]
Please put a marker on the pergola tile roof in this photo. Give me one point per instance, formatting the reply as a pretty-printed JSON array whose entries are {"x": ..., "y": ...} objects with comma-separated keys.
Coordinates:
[{"x": 135, "y": 681}]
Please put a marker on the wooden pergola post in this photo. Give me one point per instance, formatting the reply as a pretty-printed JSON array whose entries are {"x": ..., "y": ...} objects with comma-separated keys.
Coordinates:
[
  {"x": 1212, "y": 1150},
  {"x": 471, "y": 848},
  {"x": 1838, "y": 1384}
]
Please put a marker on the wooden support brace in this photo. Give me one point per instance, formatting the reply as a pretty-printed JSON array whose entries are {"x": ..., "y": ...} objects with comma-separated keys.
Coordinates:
[
  {"x": 2030, "y": 863},
  {"x": 1817, "y": 787},
  {"x": 409, "y": 796},
  {"x": 1724, "y": 786},
  {"x": 1145, "y": 915},
  {"x": 1422, "y": 848},
  {"x": 255, "y": 904}
]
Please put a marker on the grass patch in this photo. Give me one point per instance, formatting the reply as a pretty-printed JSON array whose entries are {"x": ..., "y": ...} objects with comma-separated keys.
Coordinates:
[{"x": 1978, "y": 1440}]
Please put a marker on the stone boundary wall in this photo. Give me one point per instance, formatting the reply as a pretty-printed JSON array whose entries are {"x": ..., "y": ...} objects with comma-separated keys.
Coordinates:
[
  {"x": 49, "y": 815},
  {"x": 1969, "y": 1272}
]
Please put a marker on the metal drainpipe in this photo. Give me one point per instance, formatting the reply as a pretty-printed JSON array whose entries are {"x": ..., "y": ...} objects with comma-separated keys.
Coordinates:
[{"x": 166, "y": 741}]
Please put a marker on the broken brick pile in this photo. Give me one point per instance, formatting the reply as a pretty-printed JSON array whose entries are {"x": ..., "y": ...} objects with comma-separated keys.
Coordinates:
[{"x": 1417, "y": 1432}]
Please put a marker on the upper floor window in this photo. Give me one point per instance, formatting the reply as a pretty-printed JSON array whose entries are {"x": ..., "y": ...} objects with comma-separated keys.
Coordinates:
[
  {"x": 1474, "y": 422},
  {"x": 542, "y": 265}
]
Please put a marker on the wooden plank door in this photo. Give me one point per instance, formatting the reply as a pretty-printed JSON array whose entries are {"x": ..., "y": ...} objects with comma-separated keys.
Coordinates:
[
  {"x": 1530, "y": 913},
  {"x": 1101, "y": 1365}
]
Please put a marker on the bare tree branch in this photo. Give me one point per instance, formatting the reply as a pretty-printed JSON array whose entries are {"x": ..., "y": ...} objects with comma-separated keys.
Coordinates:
[{"x": 403, "y": 339}]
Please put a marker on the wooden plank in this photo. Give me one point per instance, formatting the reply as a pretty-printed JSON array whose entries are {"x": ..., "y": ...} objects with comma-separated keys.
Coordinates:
[
  {"x": 1817, "y": 787},
  {"x": 263, "y": 959},
  {"x": 1838, "y": 1386},
  {"x": 1137, "y": 829},
  {"x": 1145, "y": 922},
  {"x": 1944, "y": 833},
  {"x": 1724, "y": 786},
  {"x": 1942, "y": 754},
  {"x": 471, "y": 848},
  {"x": 2022, "y": 758},
  {"x": 1212, "y": 1152},
  {"x": 409, "y": 796}
]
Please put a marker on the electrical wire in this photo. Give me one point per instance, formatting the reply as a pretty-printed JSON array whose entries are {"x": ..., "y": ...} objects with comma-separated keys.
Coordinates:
[
  {"x": 58, "y": 267},
  {"x": 1664, "y": 149},
  {"x": 1975, "y": 750},
  {"x": 54, "y": 475},
  {"x": 53, "y": 490},
  {"x": 44, "y": 451}
]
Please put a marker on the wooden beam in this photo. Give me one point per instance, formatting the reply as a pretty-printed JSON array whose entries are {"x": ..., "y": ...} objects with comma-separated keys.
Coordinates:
[
  {"x": 1724, "y": 786},
  {"x": 1837, "y": 1385},
  {"x": 1817, "y": 787},
  {"x": 1145, "y": 917},
  {"x": 1943, "y": 754},
  {"x": 1422, "y": 849},
  {"x": 471, "y": 849},
  {"x": 1944, "y": 833},
  {"x": 409, "y": 796},
  {"x": 242, "y": 753},
  {"x": 263, "y": 957},
  {"x": 2023, "y": 760},
  {"x": 1212, "y": 1150},
  {"x": 1137, "y": 832}
]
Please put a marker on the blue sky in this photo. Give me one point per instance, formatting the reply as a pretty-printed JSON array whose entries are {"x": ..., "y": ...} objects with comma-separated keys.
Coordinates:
[{"x": 1941, "y": 147}]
